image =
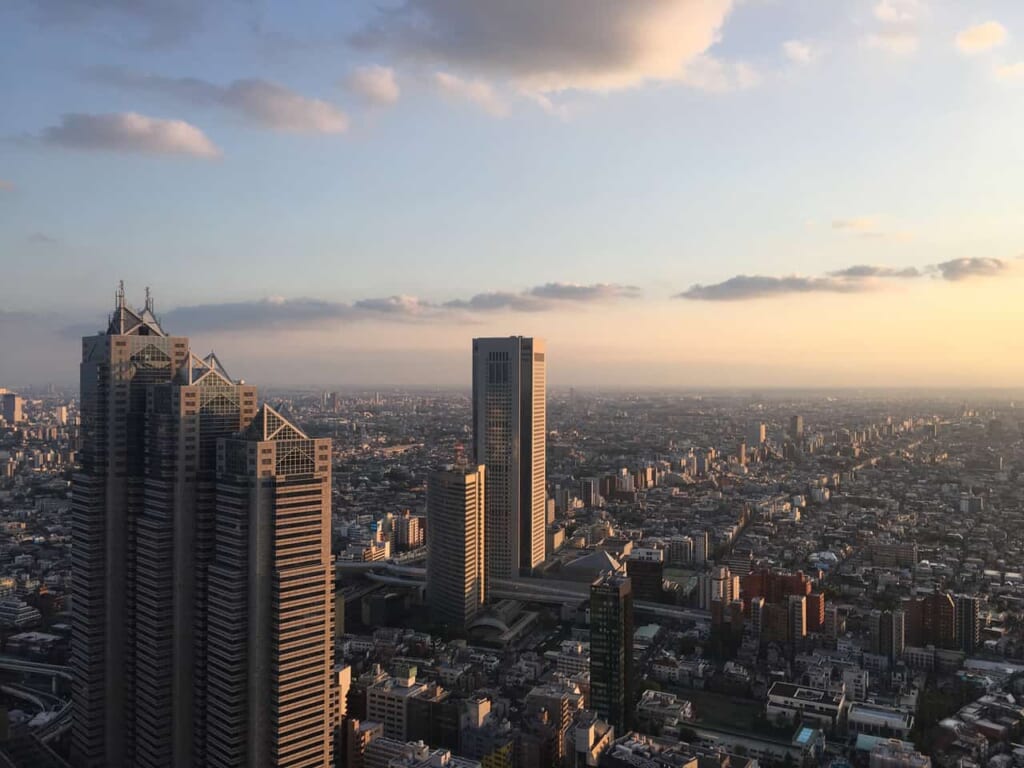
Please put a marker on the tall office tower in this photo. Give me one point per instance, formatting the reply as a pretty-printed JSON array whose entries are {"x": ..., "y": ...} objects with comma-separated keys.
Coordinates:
[
  {"x": 702, "y": 546},
  {"x": 11, "y": 408},
  {"x": 758, "y": 434},
  {"x": 270, "y": 625},
  {"x": 797, "y": 617},
  {"x": 108, "y": 493},
  {"x": 455, "y": 564},
  {"x": 888, "y": 633},
  {"x": 968, "y": 622},
  {"x": 796, "y": 427},
  {"x": 611, "y": 649},
  {"x": 757, "y": 616},
  {"x": 831, "y": 622},
  {"x": 172, "y": 551},
  {"x": 509, "y": 430}
]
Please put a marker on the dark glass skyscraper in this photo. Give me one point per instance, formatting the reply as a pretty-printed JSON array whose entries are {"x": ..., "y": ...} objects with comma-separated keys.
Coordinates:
[
  {"x": 509, "y": 433},
  {"x": 611, "y": 649},
  {"x": 151, "y": 548},
  {"x": 118, "y": 367}
]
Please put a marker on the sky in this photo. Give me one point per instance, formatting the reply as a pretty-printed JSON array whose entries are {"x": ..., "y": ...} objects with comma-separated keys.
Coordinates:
[{"x": 739, "y": 193}]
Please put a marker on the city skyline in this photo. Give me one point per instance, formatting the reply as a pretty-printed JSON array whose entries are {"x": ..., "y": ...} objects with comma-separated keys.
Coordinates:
[{"x": 445, "y": 171}]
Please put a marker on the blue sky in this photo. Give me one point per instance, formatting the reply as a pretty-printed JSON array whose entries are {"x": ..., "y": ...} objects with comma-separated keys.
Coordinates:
[{"x": 300, "y": 164}]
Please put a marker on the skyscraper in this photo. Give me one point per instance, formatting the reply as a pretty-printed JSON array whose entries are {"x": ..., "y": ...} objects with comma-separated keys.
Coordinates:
[
  {"x": 611, "y": 649},
  {"x": 888, "y": 633},
  {"x": 455, "y": 564},
  {"x": 270, "y": 634},
  {"x": 509, "y": 430},
  {"x": 172, "y": 549},
  {"x": 11, "y": 407},
  {"x": 108, "y": 493},
  {"x": 796, "y": 427},
  {"x": 968, "y": 622},
  {"x": 151, "y": 507},
  {"x": 270, "y": 627}
]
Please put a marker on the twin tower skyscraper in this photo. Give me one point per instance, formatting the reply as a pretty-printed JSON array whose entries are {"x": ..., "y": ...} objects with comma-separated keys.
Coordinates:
[
  {"x": 488, "y": 522},
  {"x": 203, "y": 589},
  {"x": 203, "y": 592}
]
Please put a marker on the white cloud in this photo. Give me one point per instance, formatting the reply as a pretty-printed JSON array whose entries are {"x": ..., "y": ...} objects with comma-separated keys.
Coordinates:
[
  {"x": 800, "y": 51},
  {"x": 282, "y": 109},
  {"x": 475, "y": 91},
  {"x": 1010, "y": 72},
  {"x": 898, "y": 42},
  {"x": 129, "y": 132},
  {"x": 545, "y": 47},
  {"x": 897, "y": 31},
  {"x": 708, "y": 73},
  {"x": 898, "y": 11},
  {"x": 867, "y": 226},
  {"x": 375, "y": 84},
  {"x": 982, "y": 37}
]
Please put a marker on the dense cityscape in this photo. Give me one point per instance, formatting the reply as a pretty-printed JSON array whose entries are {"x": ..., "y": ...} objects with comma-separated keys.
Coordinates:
[{"x": 198, "y": 571}]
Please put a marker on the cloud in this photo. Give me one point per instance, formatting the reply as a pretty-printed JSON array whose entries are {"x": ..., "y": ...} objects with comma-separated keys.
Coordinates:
[
  {"x": 545, "y": 47},
  {"x": 980, "y": 38},
  {"x": 377, "y": 85},
  {"x": 897, "y": 31},
  {"x": 707, "y": 73},
  {"x": 6, "y": 186},
  {"x": 261, "y": 102},
  {"x": 866, "y": 226},
  {"x": 41, "y": 238},
  {"x": 859, "y": 278},
  {"x": 395, "y": 305},
  {"x": 865, "y": 271},
  {"x": 894, "y": 41},
  {"x": 1010, "y": 72},
  {"x": 477, "y": 92},
  {"x": 800, "y": 52},
  {"x": 963, "y": 269},
  {"x": 499, "y": 300},
  {"x": 129, "y": 132},
  {"x": 276, "y": 312},
  {"x": 897, "y": 11},
  {"x": 577, "y": 292},
  {"x": 744, "y": 287}
]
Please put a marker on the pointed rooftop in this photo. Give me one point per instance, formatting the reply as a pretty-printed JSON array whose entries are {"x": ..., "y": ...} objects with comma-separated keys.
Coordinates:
[
  {"x": 207, "y": 369},
  {"x": 271, "y": 425},
  {"x": 127, "y": 321}
]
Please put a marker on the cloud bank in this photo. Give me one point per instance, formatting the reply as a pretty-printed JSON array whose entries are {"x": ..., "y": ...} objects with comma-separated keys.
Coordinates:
[
  {"x": 856, "y": 279},
  {"x": 281, "y": 313}
]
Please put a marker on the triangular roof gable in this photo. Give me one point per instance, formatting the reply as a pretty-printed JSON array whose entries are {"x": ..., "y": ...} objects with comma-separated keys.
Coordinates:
[
  {"x": 198, "y": 370},
  {"x": 271, "y": 425}
]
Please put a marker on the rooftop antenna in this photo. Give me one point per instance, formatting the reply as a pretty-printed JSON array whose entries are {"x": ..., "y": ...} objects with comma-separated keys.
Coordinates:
[
  {"x": 149, "y": 300},
  {"x": 119, "y": 296}
]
